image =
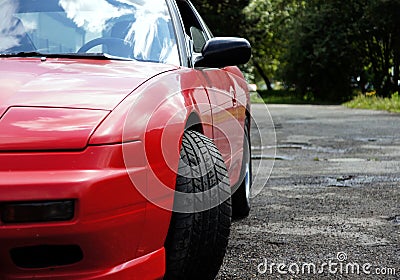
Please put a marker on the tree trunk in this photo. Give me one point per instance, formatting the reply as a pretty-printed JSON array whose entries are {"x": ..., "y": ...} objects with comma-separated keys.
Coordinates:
[
  {"x": 396, "y": 74},
  {"x": 263, "y": 75}
]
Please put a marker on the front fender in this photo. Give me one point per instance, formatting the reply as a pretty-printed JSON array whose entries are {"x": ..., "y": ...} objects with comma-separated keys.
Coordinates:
[{"x": 157, "y": 114}]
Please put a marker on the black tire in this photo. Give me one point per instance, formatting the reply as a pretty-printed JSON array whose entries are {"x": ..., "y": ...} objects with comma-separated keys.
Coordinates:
[
  {"x": 241, "y": 198},
  {"x": 197, "y": 241}
]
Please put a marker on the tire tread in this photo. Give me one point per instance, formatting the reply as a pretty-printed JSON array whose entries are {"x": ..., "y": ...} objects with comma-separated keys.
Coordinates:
[{"x": 196, "y": 243}]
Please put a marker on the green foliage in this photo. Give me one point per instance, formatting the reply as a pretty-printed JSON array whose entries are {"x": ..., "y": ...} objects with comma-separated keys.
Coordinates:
[
  {"x": 265, "y": 21},
  {"x": 379, "y": 28},
  {"x": 322, "y": 54},
  {"x": 281, "y": 97},
  {"x": 324, "y": 49},
  {"x": 222, "y": 15},
  {"x": 335, "y": 43},
  {"x": 391, "y": 104}
]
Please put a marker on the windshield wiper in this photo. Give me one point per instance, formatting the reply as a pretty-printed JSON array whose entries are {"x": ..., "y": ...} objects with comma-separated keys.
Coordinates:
[
  {"x": 101, "y": 56},
  {"x": 22, "y": 54}
]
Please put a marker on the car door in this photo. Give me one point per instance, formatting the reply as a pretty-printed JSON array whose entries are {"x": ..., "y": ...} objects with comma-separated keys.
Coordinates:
[{"x": 227, "y": 131}]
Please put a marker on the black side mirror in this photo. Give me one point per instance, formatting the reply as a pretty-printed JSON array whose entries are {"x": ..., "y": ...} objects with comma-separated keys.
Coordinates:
[{"x": 224, "y": 51}]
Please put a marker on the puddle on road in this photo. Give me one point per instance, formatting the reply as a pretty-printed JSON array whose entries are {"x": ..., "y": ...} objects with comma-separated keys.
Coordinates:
[
  {"x": 347, "y": 181},
  {"x": 347, "y": 159},
  {"x": 299, "y": 228},
  {"x": 380, "y": 140},
  {"x": 266, "y": 153},
  {"x": 366, "y": 139},
  {"x": 270, "y": 157},
  {"x": 395, "y": 220},
  {"x": 302, "y": 146},
  {"x": 278, "y": 126},
  {"x": 310, "y": 147},
  {"x": 300, "y": 121},
  {"x": 294, "y": 146}
]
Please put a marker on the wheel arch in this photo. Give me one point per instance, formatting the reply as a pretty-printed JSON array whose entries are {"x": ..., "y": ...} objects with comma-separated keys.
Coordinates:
[
  {"x": 166, "y": 126},
  {"x": 194, "y": 123},
  {"x": 248, "y": 116}
]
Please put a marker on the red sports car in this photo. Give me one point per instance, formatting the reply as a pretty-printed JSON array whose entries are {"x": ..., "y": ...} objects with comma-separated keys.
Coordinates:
[{"x": 124, "y": 147}]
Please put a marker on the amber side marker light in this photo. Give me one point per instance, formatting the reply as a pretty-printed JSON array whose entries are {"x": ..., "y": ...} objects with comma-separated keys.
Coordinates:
[{"x": 34, "y": 212}]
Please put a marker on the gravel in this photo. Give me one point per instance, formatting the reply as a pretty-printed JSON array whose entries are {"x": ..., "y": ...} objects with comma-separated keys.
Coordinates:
[{"x": 331, "y": 206}]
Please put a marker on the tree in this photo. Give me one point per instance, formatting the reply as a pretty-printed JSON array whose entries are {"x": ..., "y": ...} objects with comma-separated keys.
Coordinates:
[
  {"x": 335, "y": 43},
  {"x": 222, "y": 15},
  {"x": 323, "y": 54},
  {"x": 266, "y": 22},
  {"x": 381, "y": 39},
  {"x": 320, "y": 47}
]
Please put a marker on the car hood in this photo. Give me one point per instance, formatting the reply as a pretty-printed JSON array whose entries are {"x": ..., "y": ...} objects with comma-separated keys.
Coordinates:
[
  {"x": 66, "y": 83},
  {"x": 57, "y": 104}
]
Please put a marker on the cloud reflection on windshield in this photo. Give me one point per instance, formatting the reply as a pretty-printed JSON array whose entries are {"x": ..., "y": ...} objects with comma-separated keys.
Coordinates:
[
  {"x": 10, "y": 27},
  {"x": 92, "y": 15},
  {"x": 41, "y": 26},
  {"x": 151, "y": 30}
]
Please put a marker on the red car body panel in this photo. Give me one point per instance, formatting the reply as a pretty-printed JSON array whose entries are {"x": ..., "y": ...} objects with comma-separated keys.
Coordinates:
[
  {"x": 90, "y": 84},
  {"x": 109, "y": 209},
  {"x": 31, "y": 83},
  {"x": 27, "y": 128},
  {"x": 106, "y": 134}
]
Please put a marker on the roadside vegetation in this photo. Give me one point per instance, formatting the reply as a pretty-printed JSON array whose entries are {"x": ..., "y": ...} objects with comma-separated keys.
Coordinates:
[
  {"x": 280, "y": 97},
  {"x": 321, "y": 50},
  {"x": 287, "y": 97},
  {"x": 369, "y": 100},
  {"x": 372, "y": 102}
]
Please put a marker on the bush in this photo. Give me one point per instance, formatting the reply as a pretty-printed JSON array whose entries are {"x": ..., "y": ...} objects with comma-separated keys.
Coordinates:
[{"x": 374, "y": 102}]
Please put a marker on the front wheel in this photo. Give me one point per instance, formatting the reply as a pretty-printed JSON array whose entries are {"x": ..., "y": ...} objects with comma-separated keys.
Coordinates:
[{"x": 197, "y": 240}]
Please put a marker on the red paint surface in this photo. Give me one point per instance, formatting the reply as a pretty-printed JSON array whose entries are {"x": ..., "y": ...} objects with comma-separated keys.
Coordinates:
[{"x": 105, "y": 133}]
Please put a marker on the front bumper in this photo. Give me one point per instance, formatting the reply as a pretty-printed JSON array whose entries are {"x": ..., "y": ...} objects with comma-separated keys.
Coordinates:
[{"x": 111, "y": 217}]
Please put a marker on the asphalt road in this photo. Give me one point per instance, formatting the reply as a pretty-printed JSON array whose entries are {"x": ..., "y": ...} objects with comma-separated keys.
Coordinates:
[{"x": 331, "y": 207}]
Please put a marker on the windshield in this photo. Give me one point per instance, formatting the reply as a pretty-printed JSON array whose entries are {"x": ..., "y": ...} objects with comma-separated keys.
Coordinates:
[{"x": 132, "y": 29}]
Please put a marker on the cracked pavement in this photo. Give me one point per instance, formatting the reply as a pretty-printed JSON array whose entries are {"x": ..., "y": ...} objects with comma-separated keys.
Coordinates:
[{"x": 331, "y": 207}]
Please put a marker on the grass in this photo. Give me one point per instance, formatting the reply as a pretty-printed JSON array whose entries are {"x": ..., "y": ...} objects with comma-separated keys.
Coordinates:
[
  {"x": 373, "y": 102},
  {"x": 278, "y": 97},
  {"x": 285, "y": 97},
  {"x": 362, "y": 101}
]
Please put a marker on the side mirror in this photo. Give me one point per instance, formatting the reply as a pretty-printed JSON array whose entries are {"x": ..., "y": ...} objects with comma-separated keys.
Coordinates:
[{"x": 224, "y": 51}]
